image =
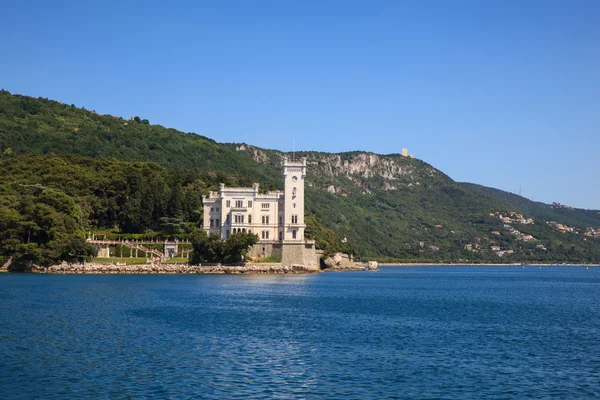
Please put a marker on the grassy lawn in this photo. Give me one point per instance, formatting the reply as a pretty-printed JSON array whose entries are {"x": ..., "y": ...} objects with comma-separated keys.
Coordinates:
[
  {"x": 120, "y": 260},
  {"x": 270, "y": 259},
  {"x": 176, "y": 260}
]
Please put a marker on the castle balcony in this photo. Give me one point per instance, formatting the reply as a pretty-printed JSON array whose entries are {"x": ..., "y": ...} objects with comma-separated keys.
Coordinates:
[
  {"x": 297, "y": 241},
  {"x": 293, "y": 163},
  {"x": 237, "y": 190},
  {"x": 269, "y": 196},
  {"x": 295, "y": 226}
]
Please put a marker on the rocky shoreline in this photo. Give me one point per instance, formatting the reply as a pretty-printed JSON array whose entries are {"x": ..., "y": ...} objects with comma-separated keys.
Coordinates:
[
  {"x": 343, "y": 262},
  {"x": 335, "y": 263},
  {"x": 98, "y": 268},
  {"x": 330, "y": 264},
  {"x": 249, "y": 268}
]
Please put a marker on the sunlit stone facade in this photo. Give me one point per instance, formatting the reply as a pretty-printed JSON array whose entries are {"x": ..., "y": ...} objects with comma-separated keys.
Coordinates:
[{"x": 277, "y": 217}]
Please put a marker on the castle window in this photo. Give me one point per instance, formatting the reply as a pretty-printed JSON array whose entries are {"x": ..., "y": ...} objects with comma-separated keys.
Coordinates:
[
  {"x": 228, "y": 203},
  {"x": 265, "y": 220},
  {"x": 212, "y": 209},
  {"x": 265, "y": 234},
  {"x": 280, "y": 220},
  {"x": 294, "y": 234},
  {"x": 249, "y": 219},
  {"x": 212, "y": 222},
  {"x": 239, "y": 203},
  {"x": 217, "y": 222},
  {"x": 280, "y": 235},
  {"x": 265, "y": 206},
  {"x": 249, "y": 204},
  {"x": 294, "y": 219},
  {"x": 294, "y": 205}
]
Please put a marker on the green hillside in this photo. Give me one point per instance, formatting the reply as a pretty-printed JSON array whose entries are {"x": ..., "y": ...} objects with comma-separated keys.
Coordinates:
[
  {"x": 41, "y": 126},
  {"x": 570, "y": 216},
  {"x": 130, "y": 177}
]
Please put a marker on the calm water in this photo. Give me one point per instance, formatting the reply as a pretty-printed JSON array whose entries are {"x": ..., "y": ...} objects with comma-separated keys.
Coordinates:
[{"x": 397, "y": 333}]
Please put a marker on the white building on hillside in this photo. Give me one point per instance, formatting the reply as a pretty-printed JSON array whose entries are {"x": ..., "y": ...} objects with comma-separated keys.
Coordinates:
[{"x": 277, "y": 217}]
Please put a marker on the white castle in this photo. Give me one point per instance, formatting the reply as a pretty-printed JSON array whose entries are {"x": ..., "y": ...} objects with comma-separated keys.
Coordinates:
[{"x": 277, "y": 217}]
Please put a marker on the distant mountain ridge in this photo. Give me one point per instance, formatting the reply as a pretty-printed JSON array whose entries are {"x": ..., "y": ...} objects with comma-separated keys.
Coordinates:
[{"x": 384, "y": 206}]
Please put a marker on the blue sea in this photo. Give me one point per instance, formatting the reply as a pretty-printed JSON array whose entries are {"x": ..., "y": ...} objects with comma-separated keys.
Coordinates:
[{"x": 400, "y": 332}]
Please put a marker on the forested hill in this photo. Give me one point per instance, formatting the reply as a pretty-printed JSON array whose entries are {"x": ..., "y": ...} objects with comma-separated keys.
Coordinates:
[
  {"x": 131, "y": 177},
  {"x": 40, "y": 126},
  {"x": 567, "y": 215}
]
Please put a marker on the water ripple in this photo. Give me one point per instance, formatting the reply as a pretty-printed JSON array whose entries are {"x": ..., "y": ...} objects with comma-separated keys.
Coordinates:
[{"x": 399, "y": 333}]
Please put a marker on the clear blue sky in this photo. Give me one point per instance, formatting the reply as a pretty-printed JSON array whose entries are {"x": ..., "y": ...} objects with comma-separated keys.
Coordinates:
[{"x": 501, "y": 93}]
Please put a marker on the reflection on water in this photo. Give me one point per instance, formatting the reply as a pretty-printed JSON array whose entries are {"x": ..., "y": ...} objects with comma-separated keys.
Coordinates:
[{"x": 400, "y": 332}]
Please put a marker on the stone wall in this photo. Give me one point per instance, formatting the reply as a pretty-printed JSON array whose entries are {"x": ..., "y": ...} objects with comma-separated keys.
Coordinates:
[
  {"x": 289, "y": 253},
  {"x": 299, "y": 253},
  {"x": 263, "y": 250}
]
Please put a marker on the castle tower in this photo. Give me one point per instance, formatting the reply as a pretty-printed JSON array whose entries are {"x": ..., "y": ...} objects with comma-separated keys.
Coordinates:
[{"x": 294, "y": 174}]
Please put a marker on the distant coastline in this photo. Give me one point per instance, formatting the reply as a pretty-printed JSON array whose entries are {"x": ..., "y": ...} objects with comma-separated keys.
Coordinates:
[
  {"x": 485, "y": 265},
  {"x": 251, "y": 268}
]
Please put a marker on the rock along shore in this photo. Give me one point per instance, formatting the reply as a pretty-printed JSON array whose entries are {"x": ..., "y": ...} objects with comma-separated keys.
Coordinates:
[
  {"x": 98, "y": 268},
  {"x": 248, "y": 268},
  {"x": 343, "y": 262}
]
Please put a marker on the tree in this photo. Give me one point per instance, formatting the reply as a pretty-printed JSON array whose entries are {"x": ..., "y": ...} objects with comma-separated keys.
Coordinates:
[
  {"x": 200, "y": 245},
  {"x": 237, "y": 246},
  {"x": 214, "y": 249},
  {"x": 176, "y": 201},
  {"x": 172, "y": 226},
  {"x": 75, "y": 248}
]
